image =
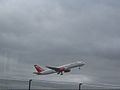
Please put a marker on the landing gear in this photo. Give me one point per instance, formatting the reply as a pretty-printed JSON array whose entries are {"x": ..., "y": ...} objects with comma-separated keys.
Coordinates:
[
  {"x": 61, "y": 73},
  {"x": 79, "y": 67},
  {"x": 58, "y": 73}
]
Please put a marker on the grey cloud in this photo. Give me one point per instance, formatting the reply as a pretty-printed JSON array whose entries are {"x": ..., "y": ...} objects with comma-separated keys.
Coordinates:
[{"x": 58, "y": 32}]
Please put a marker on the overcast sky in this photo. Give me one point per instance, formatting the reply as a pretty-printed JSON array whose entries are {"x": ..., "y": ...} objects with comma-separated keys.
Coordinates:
[{"x": 56, "y": 32}]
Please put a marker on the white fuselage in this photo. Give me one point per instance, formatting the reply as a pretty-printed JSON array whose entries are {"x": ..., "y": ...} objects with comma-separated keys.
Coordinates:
[{"x": 66, "y": 66}]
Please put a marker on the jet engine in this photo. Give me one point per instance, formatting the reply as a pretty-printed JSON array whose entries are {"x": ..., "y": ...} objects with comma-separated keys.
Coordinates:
[{"x": 67, "y": 70}]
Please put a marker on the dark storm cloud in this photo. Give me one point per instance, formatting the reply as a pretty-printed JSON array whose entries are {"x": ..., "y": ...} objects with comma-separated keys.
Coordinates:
[{"x": 58, "y": 32}]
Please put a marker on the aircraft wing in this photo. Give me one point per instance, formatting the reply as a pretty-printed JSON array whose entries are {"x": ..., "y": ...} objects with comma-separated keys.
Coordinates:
[{"x": 53, "y": 68}]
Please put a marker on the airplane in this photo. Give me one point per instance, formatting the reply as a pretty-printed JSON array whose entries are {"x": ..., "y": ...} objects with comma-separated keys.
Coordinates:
[{"x": 59, "y": 70}]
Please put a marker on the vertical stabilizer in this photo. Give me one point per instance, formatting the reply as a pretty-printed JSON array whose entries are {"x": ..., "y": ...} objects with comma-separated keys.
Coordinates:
[{"x": 38, "y": 68}]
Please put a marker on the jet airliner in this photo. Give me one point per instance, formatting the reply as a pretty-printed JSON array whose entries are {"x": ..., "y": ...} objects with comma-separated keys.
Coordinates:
[{"x": 59, "y": 70}]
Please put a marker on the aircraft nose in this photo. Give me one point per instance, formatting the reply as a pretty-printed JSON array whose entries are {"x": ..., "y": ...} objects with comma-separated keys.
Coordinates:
[{"x": 82, "y": 63}]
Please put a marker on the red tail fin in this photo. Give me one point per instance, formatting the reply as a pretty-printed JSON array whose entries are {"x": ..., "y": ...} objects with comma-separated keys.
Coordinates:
[{"x": 38, "y": 68}]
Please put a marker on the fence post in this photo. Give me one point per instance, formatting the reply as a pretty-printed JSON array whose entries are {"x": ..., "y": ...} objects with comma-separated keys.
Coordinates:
[
  {"x": 30, "y": 83},
  {"x": 80, "y": 84}
]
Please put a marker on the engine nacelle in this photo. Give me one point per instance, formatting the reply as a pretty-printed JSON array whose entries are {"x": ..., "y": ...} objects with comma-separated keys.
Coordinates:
[{"x": 67, "y": 70}]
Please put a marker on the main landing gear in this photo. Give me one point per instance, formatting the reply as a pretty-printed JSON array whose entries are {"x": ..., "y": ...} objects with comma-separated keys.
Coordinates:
[{"x": 61, "y": 73}]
